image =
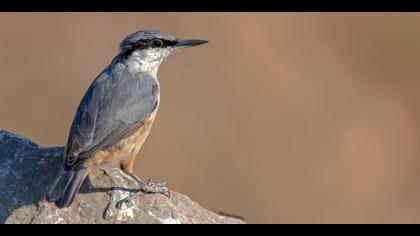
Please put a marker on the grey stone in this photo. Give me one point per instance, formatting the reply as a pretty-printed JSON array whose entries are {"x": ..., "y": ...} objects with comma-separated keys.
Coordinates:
[{"x": 26, "y": 170}]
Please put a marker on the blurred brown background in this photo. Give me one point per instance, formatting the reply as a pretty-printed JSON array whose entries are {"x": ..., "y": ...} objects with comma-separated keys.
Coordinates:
[{"x": 282, "y": 118}]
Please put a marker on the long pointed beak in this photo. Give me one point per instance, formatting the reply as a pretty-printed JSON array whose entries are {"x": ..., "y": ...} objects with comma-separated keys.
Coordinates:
[{"x": 189, "y": 43}]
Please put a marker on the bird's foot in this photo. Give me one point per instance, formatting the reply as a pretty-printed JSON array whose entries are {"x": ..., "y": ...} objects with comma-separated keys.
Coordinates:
[
  {"x": 151, "y": 187},
  {"x": 145, "y": 188}
]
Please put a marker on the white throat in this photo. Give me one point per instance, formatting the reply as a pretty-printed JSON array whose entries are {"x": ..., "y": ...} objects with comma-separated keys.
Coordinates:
[{"x": 147, "y": 61}]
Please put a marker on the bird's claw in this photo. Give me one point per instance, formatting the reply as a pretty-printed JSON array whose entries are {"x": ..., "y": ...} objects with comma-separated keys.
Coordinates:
[
  {"x": 146, "y": 188},
  {"x": 151, "y": 187}
]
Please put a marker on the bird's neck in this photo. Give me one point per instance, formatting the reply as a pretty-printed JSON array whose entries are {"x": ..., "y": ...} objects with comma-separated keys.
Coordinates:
[{"x": 138, "y": 63}]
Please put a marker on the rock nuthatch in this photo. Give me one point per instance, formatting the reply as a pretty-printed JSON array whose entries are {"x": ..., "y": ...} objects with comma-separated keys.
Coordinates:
[{"x": 116, "y": 113}]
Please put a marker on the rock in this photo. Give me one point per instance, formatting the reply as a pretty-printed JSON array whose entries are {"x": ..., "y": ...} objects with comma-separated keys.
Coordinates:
[{"x": 26, "y": 170}]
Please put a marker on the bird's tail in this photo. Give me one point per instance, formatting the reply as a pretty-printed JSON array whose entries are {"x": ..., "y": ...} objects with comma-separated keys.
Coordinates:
[{"x": 65, "y": 187}]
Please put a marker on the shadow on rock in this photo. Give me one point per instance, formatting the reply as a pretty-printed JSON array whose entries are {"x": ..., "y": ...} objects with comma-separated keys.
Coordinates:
[{"x": 26, "y": 171}]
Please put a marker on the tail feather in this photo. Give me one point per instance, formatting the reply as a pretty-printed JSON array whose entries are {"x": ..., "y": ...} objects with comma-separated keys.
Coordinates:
[
  {"x": 60, "y": 184},
  {"x": 65, "y": 187}
]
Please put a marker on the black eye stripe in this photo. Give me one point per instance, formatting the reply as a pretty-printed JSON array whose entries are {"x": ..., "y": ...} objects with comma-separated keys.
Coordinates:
[
  {"x": 168, "y": 43},
  {"x": 146, "y": 43},
  {"x": 157, "y": 43},
  {"x": 153, "y": 43}
]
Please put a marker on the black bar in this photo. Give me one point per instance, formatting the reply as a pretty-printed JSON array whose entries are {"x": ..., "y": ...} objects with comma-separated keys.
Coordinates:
[{"x": 210, "y": 5}]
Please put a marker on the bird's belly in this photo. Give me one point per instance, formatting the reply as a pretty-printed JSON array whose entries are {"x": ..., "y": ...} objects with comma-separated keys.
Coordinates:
[
  {"x": 126, "y": 149},
  {"x": 132, "y": 144}
]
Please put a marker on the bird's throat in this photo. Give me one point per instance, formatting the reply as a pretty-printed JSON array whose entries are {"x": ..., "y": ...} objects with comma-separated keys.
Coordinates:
[{"x": 139, "y": 65}]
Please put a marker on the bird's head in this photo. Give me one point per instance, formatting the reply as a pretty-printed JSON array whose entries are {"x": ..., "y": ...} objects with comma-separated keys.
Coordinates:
[{"x": 151, "y": 47}]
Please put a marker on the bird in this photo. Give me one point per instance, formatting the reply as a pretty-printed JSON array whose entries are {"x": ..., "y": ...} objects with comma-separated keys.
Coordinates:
[{"x": 116, "y": 114}]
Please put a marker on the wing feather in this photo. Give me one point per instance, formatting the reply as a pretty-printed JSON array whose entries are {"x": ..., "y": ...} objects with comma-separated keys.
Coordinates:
[{"x": 115, "y": 105}]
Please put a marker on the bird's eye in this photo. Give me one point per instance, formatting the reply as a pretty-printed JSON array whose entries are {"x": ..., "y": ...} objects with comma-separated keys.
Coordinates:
[{"x": 157, "y": 43}]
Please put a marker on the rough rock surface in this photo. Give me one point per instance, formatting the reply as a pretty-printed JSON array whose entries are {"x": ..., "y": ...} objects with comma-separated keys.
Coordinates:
[{"x": 26, "y": 170}]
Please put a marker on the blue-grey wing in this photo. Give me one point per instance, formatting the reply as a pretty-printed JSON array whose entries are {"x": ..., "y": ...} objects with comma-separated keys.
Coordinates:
[{"x": 114, "y": 106}]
